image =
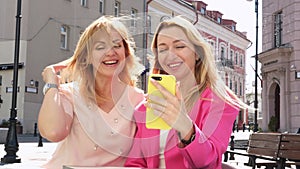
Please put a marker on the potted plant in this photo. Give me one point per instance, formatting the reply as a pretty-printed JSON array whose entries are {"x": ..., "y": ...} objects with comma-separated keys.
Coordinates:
[
  {"x": 272, "y": 124},
  {"x": 19, "y": 127},
  {"x": 4, "y": 124}
]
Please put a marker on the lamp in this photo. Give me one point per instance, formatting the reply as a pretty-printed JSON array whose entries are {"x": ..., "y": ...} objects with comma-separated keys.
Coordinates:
[
  {"x": 293, "y": 68},
  {"x": 31, "y": 82},
  {"x": 11, "y": 145},
  {"x": 145, "y": 44},
  {"x": 256, "y": 69}
]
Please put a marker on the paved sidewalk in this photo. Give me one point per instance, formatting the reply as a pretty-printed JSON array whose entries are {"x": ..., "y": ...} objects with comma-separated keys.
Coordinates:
[
  {"x": 32, "y": 156},
  {"x": 240, "y": 160}
]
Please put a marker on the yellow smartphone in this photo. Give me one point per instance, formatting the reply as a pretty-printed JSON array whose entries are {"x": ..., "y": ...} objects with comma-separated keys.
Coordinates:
[{"x": 167, "y": 81}]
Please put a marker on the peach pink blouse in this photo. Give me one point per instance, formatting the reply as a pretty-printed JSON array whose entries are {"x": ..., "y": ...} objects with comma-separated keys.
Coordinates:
[{"x": 96, "y": 138}]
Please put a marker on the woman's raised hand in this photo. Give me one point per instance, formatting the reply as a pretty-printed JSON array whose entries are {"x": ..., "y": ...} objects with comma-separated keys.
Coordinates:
[
  {"x": 52, "y": 73},
  {"x": 170, "y": 108}
]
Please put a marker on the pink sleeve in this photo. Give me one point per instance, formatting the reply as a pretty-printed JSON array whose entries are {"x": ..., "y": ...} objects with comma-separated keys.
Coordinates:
[
  {"x": 213, "y": 127},
  {"x": 66, "y": 99},
  {"x": 135, "y": 157}
]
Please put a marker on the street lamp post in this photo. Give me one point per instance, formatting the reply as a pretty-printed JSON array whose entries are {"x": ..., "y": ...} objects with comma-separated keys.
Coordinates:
[
  {"x": 256, "y": 69},
  {"x": 145, "y": 44},
  {"x": 11, "y": 145}
]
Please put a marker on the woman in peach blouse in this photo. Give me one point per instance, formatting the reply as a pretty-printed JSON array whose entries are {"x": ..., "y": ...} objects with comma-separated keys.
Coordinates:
[{"x": 91, "y": 117}]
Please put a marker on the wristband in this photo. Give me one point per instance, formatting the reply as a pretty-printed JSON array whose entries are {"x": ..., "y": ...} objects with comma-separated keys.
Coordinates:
[
  {"x": 49, "y": 86},
  {"x": 186, "y": 142}
]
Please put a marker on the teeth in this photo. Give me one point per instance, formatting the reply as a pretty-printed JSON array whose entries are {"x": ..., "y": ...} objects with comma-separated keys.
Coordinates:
[
  {"x": 110, "y": 62},
  {"x": 174, "y": 65}
]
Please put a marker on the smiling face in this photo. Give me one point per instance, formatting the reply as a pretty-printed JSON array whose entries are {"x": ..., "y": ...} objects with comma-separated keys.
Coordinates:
[
  {"x": 175, "y": 52},
  {"x": 108, "y": 53}
]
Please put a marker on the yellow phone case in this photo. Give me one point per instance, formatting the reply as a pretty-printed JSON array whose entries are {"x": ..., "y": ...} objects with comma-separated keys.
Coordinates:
[{"x": 167, "y": 81}]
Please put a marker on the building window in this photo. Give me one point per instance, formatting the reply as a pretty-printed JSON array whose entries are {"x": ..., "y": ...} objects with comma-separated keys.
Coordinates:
[
  {"x": 231, "y": 55},
  {"x": 240, "y": 115},
  {"x": 133, "y": 17},
  {"x": 117, "y": 8},
  {"x": 64, "y": 37},
  {"x": 277, "y": 29},
  {"x": 237, "y": 58},
  {"x": 101, "y": 6},
  {"x": 219, "y": 20},
  {"x": 241, "y": 91},
  {"x": 235, "y": 88},
  {"x": 230, "y": 84},
  {"x": 83, "y": 3},
  {"x": 202, "y": 10},
  {"x": 233, "y": 28},
  {"x": 212, "y": 43},
  {"x": 222, "y": 52},
  {"x": 241, "y": 60}
]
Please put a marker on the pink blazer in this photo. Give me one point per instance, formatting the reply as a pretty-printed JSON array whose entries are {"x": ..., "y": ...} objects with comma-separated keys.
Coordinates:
[{"x": 213, "y": 120}]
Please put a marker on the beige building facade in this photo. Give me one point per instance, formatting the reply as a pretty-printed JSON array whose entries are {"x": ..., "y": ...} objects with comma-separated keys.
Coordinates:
[
  {"x": 280, "y": 64},
  {"x": 51, "y": 29},
  {"x": 49, "y": 33}
]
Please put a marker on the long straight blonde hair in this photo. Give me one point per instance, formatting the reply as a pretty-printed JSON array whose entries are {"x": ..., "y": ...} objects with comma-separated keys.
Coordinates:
[{"x": 206, "y": 73}]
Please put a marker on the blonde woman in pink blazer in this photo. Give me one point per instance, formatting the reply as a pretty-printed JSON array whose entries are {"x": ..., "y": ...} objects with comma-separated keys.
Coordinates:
[{"x": 201, "y": 113}]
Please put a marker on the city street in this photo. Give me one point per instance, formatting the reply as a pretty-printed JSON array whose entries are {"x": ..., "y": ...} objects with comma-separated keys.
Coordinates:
[
  {"x": 253, "y": 46},
  {"x": 32, "y": 156}
]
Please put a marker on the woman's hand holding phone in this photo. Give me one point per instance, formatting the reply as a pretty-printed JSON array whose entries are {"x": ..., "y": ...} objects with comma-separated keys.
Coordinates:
[
  {"x": 168, "y": 106},
  {"x": 156, "y": 100}
]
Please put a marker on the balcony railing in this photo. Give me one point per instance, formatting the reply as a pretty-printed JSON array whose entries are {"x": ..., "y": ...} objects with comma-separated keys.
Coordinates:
[{"x": 227, "y": 62}]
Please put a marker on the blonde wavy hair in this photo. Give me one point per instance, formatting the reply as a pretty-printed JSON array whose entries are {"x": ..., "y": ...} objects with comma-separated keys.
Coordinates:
[
  {"x": 206, "y": 73},
  {"x": 80, "y": 64}
]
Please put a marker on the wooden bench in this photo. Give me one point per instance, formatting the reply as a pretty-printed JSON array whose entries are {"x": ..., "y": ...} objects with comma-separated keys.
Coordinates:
[
  {"x": 276, "y": 149},
  {"x": 263, "y": 146},
  {"x": 289, "y": 150}
]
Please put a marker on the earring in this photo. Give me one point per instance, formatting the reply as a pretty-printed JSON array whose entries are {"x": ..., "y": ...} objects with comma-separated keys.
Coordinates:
[{"x": 197, "y": 58}]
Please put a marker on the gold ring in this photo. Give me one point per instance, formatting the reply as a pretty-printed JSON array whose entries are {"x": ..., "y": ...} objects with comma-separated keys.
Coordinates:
[{"x": 164, "y": 109}]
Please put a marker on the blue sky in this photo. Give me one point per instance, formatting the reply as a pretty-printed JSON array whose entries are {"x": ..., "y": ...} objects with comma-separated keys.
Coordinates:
[{"x": 242, "y": 12}]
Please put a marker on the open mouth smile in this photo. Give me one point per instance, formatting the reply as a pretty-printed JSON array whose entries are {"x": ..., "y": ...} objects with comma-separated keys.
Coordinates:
[
  {"x": 174, "y": 65},
  {"x": 110, "y": 62}
]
